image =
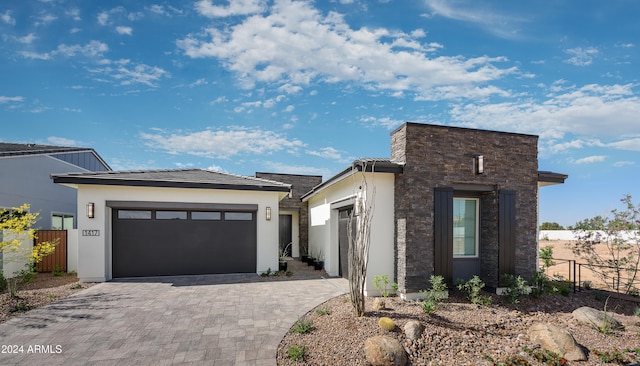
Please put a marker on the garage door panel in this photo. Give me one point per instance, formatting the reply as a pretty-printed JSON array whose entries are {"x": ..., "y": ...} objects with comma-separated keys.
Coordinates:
[{"x": 181, "y": 247}]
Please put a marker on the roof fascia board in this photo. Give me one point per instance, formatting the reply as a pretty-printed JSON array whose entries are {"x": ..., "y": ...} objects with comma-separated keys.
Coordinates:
[{"x": 163, "y": 184}]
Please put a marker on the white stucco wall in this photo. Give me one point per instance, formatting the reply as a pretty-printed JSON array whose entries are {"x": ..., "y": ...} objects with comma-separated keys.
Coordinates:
[
  {"x": 323, "y": 224},
  {"x": 12, "y": 261},
  {"x": 94, "y": 252},
  {"x": 72, "y": 250}
]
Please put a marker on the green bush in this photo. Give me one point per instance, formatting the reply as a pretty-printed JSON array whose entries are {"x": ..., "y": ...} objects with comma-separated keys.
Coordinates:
[
  {"x": 57, "y": 271},
  {"x": 435, "y": 295},
  {"x": 473, "y": 289},
  {"x": 381, "y": 282},
  {"x": 516, "y": 288},
  {"x": 3, "y": 282},
  {"x": 296, "y": 353},
  {"x": 302, "y": 326},
  {"x": 323, "y": 311}
]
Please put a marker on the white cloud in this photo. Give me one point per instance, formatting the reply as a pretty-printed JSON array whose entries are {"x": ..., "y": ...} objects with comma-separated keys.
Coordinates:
[
  {"x": 105, "y": 17},
  {"x": 594, "y": 112},
  {"x": 61, "y": 141},
  {"x": 74, "y": 13},
  {"x": 222, "y": 144},
  {"x": 235, "y": 7},
  {"x": 295, "y": 45},
  {"x": 326, "y": 153},
  {"x": 388, "y": 123},
  {"x": 201, "y": 81},
  {"x": 295, "y": 169},
  {"x": 581, "y": 56},
  {"x": 45, "y": 19},
  {"x": 28, "y": 39},
  {"x": 490, "y": 19},
  {"x": 124, "y": 30},
  {"x": 16, "y": 99},
  {"x": 7, "y": 18},
  {"x": 161, "y": 10},
  {"x": 91, "y": 49},
  {"x": 620, "y": 164},
  {"x": 590, "y": 159},
  {"x": 632, "y": 144}
]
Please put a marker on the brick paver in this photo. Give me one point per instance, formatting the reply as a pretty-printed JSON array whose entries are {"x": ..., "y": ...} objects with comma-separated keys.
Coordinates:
[{"x": 197, "y": 320}]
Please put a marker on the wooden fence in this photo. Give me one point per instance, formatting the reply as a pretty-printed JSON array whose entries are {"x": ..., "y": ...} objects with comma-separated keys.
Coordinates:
[{"x": 58, "y": 259}]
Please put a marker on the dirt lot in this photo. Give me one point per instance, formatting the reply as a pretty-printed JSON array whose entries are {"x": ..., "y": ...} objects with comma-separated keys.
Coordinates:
[
  {"x": 563, "y": 252},
  {"x": 41, "y": 290}
]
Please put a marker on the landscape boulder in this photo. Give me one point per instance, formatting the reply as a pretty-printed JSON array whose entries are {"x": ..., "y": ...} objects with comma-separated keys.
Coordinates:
[
  {"x": 596, "y": 318},
  {"x": 379, "y": 303},
  {"x": 558, "y": 340},
  {"x": 384, "y": 351},
  {"x": 413, "y": 329}
]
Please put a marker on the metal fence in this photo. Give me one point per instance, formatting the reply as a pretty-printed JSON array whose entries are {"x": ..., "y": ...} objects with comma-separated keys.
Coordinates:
[{"x": 598, "y": 276}]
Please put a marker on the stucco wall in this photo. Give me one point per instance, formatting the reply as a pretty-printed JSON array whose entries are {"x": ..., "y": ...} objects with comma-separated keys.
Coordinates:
[
  {"x": 94, "y": 252},
  {"x": 323, "y": 224},
  {"x": 300, "y": 184},
  {"x": 25, "y": 179},
  {"x": 440, "y": 156}
]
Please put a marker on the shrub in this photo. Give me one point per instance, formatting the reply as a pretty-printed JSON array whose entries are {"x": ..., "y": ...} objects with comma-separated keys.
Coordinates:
[
  {"x": 3, "y": 282},
  {"x": 296, "y": 353},
  {"x": 545, "y": 356},
  {"x": 435, "y": 295},
  {"x": 386, "y": 324},
  {"x": 302, "y": 326},
  {"x": 546, "y": 255},
  {"x": 76, "y": 286},
  {"x": 516, "y": 288},
  {"x": 57, "y": 271},
  {"x": 381, "y": 282},
  {"x": 473, "y": 289},
  {"x": 323, "y": 311}
]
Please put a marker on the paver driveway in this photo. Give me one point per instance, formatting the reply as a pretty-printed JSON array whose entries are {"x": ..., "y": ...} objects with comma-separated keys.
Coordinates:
[{"x": 207, "y": 320}]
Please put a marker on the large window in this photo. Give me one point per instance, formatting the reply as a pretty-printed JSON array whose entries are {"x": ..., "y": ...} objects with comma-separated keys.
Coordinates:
[
  {"x": 465, "y": 227},
  {"x": 61, "y": 222}
]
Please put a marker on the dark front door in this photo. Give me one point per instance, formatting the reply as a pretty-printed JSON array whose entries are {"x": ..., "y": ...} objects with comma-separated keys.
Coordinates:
[
  {"x": 343, "y": 239},
  {"x": 285, "y": 233},
  {"x": 149, "y": 242}
]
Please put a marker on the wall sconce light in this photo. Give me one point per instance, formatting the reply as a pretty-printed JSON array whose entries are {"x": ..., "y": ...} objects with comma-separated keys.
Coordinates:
[
  {"x": 268, "y": 212},
  {"x": 479, "y": 164},
  {"x": 90, "y": 210}
]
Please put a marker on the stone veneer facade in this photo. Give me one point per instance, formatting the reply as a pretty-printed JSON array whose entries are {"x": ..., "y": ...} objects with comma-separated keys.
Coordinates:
[
  {"x": 441, "y": 156},
  {"x": 300, "y": 184}
]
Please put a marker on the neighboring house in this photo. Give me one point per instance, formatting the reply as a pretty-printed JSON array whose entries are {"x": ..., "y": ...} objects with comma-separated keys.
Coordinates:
[
  {"x": 455, "y": 202},
  {"x": 294, "y": 214},
  {"x": 25, "y": 171},
  {"x": 174, "y": 222}
]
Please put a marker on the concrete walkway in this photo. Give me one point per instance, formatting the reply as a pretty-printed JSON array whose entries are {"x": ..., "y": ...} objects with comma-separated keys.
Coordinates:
[{"x": 198, "y": 320}]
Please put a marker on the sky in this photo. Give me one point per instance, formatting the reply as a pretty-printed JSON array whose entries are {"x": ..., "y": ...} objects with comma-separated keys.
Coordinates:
[{"x": 306, "y": 87}]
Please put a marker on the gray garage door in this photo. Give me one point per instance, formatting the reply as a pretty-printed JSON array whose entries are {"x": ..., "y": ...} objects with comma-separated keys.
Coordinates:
[{"x": 167, "y": 242}]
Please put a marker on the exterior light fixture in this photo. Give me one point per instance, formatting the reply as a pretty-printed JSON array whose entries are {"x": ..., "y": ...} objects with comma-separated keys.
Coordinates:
[
  {"x": 90, "y": 210},
  {"x": 479, "y": 164},
  {"x": 268, "y": 213}
]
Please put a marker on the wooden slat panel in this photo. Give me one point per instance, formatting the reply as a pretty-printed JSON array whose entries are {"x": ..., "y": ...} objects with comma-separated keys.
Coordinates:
[
  {"x": 59, "y": 256},
  {"x": 507, "y": 233},
  {"x": 443, "y": 233}
]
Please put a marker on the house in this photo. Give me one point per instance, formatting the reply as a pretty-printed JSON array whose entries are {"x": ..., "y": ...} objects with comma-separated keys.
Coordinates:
[
  {"x": 174, "y": 222},
  {"x": 25, "y": 171},
  {"x": 450, "y": 201}
]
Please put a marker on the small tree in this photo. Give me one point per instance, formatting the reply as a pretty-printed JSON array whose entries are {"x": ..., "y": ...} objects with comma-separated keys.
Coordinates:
[
  {"x": 551, "y": 226},
  {"x": 359, "y": 241},
  {"x": 621, "y": 238},
  {"x": 16, "y": 224}
]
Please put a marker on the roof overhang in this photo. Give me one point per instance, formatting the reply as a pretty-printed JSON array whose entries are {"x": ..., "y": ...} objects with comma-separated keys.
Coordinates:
[
  {"x": 366, "y": 165},
  {"x": 550, "y": 178},
  {"x": 123, "y": 179}
]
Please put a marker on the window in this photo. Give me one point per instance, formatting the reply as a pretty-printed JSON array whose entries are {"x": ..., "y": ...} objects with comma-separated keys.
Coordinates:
[
  {"x": 134, "y": 214},
  {"x": 238, "y": 216},
  {"x": 171, "y": 215},
  {"x": 204, "y": 215},
  {"x": 465, "y": 227},
  {"x": 61, "y": 222}
]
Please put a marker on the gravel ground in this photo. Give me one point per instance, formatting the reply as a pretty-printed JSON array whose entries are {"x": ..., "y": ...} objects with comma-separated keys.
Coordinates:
[
  {"x": 43, "y": 289},
  {"x": 458, "y": 333}
]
